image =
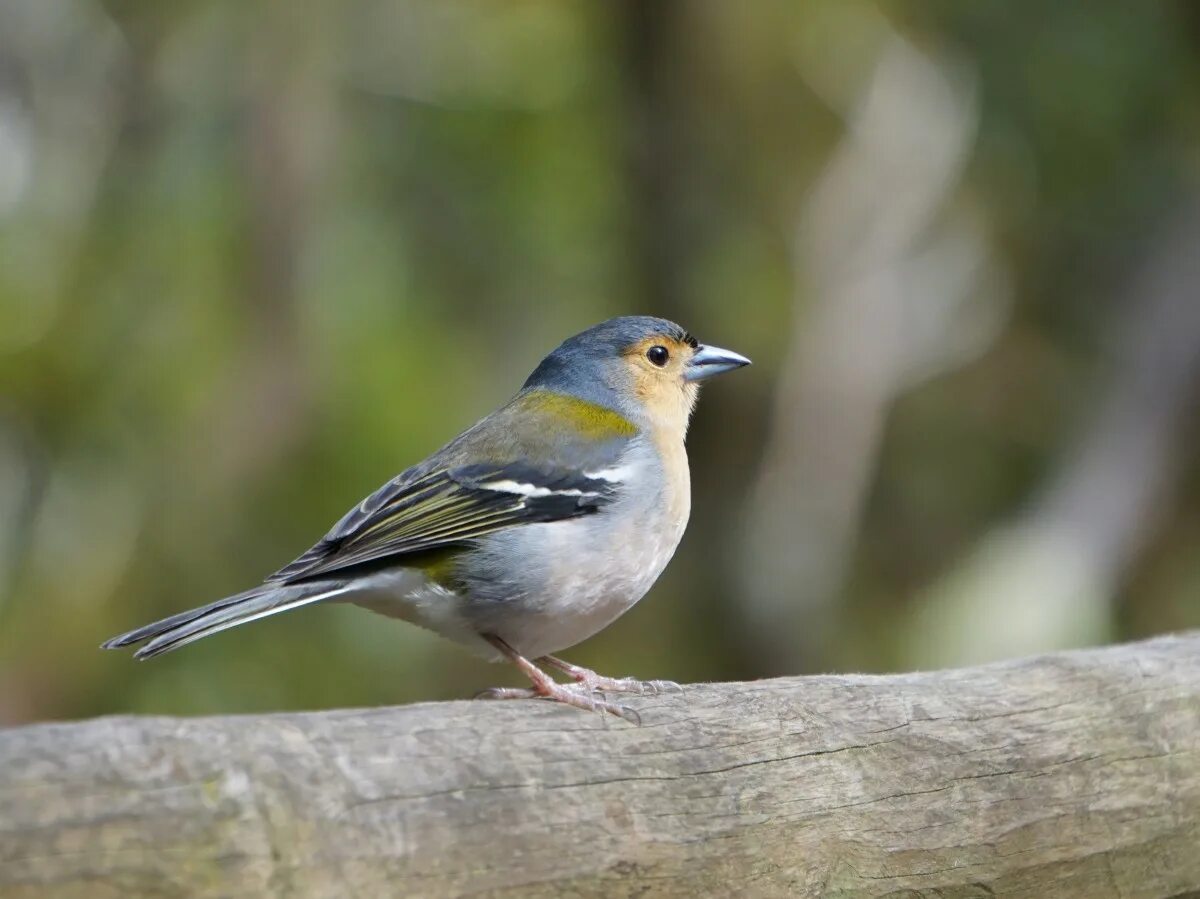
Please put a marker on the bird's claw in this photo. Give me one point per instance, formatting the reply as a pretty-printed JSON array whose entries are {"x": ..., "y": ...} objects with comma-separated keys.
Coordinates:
[
  {"x": 592, "y": 682},
  {"x": 570, "y": 695},
  {"x": 624, "y": 712},
  {"x": 596, "y": 683},
  {"x": 666, "y": 686},
  {"x": 508, "y": 693}
]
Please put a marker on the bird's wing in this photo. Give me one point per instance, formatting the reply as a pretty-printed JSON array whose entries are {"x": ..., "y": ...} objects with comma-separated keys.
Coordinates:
[{"x": 452, "y": 499}]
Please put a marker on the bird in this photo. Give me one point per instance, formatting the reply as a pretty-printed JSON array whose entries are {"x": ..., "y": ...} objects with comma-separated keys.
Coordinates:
[{"x": 529, "y": 532}]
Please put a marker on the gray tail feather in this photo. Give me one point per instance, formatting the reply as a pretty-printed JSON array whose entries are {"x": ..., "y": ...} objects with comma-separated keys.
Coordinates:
[{"x": 195, "y": 624}]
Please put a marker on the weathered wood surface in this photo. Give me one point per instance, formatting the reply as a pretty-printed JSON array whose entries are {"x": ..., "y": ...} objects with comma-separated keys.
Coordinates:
[{"x": 1068, "y": 775}]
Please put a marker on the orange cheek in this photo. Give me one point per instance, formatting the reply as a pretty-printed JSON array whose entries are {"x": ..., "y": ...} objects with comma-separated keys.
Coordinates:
[
  {"x": 667, "y": 398},
  {"x": 669, "y": 403}
]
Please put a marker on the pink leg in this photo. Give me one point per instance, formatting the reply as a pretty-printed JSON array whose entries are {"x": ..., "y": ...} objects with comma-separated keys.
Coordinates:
[
  {"x": 545, "y": 687},
  {"x": 598, "y": 683}
]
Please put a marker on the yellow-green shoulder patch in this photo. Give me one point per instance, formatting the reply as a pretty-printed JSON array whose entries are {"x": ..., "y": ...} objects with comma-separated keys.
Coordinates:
[
  {"x": 439, "y": 565},
  {"x": 586, "y": 417}
]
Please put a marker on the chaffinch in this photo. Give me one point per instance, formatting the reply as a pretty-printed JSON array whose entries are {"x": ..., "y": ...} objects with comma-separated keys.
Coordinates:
[{"x": 527, "y": 533}]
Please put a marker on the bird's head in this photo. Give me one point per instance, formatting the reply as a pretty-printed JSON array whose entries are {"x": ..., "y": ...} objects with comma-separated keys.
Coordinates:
[{"x": 646, "y": 368}]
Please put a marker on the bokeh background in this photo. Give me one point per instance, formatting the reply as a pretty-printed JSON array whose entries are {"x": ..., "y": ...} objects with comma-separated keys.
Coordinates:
[{"x": 255, "y": 258}]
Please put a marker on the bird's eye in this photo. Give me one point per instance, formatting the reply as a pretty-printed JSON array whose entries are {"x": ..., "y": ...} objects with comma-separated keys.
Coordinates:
[{"x": 658, "y": 355}]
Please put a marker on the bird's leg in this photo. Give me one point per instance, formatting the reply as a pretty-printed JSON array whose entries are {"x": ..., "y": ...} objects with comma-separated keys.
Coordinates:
[
  {"x": 598, "y": 683},
  {"x": 545, "y": 687}
]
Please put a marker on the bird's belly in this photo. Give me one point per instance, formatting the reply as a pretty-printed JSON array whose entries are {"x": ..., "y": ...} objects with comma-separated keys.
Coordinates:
[
  {"x": 409, "y": 595},
  {"x": 580, "y": 584},
  {"x": 573, "y": 579},
  {"x": 571, "y": 610}
]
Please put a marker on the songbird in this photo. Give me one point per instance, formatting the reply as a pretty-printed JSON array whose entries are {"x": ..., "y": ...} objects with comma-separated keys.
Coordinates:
[{"x": 530, "y": 531}]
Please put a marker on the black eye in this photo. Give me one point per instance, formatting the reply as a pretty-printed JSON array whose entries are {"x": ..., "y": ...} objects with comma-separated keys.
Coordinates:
[{"x": 658, "y": 355}]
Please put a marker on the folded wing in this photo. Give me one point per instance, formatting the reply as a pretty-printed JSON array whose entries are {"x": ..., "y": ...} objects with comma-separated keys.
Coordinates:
[{"x": 448, "y": 507}]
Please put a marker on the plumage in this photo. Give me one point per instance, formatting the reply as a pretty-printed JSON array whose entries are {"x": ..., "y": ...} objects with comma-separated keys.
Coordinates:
[
  {"x": 447, "y": 499},
  {"x": 528, "y": 532}
]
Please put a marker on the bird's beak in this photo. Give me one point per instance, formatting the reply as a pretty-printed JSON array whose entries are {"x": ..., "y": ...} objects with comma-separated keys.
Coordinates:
[{"x": 712, "y": 360}]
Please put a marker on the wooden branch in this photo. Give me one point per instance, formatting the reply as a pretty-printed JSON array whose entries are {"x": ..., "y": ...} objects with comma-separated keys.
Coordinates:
[{"x": 1069, "y": 775}]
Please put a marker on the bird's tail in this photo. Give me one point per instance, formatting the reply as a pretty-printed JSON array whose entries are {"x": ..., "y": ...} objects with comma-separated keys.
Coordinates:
[{"x": 196, "y": 624}]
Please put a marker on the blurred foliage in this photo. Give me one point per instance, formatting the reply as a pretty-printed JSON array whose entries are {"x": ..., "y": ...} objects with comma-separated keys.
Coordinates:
[{"x": 254, "y": 262}]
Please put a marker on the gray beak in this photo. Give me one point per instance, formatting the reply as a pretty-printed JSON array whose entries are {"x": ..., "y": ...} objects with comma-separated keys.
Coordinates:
[{"x": 712, "y": 360}]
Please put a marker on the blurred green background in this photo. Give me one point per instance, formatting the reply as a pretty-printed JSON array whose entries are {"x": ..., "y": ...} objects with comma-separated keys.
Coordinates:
[{"x": 256, "y": 258}]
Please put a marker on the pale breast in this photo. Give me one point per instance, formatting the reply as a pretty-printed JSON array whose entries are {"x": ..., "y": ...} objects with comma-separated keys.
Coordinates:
[
  {"x": 545, "y": 587},
  {"x": 582, "y": 574}
]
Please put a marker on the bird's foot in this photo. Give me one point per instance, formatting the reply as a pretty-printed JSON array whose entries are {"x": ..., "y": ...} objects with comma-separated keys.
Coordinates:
[
  {"x": 568, "y": 694},
  {"x": 597, "y": 683}
]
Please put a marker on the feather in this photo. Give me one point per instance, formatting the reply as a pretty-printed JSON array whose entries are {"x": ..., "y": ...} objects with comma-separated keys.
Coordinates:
[
  {"x": 195, "y": 624},
  {"x": 483, "y": 482}
]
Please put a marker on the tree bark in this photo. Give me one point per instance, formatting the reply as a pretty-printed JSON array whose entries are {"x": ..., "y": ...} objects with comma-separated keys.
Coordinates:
[{"x": 1075, "y": 774}]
